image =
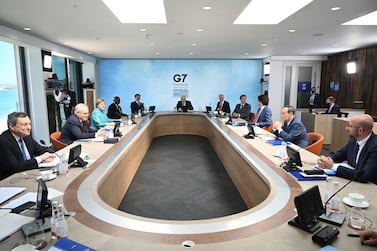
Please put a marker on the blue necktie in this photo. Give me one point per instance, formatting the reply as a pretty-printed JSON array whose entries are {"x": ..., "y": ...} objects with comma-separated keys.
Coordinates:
[{"x": 23, "y": 149}]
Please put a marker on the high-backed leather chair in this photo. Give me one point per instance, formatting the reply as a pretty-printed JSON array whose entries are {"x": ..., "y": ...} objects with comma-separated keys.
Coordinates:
[
  {"x": 56, "y": 143},
  {"x": 315, "y": 142}
]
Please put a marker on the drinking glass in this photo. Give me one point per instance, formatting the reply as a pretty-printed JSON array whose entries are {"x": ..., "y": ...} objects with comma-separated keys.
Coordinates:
[{"x": 357, "y": 218}]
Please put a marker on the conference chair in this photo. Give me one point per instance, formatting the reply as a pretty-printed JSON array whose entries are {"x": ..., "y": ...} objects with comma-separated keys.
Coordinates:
[
  {"x": 269, "y": 128},
  {"x": 315, "y": 142},
  {"x": 251, "y": 116},
  {"x": 56, "y": 143}
]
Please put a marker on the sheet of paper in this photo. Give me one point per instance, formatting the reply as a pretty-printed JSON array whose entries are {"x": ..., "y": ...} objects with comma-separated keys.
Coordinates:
[
  {"x": 53, "y": 163},
  {"x": 8, "y": 192},
  {"x": 31, "y": 196}
]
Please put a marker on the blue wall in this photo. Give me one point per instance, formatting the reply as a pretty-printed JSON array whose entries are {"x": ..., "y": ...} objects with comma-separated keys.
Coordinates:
[{"x": 201, "y": 80}]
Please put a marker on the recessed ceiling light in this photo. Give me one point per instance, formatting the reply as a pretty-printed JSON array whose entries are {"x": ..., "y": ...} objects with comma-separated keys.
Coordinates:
[
  {"x": 194, "y": 44},
  {"x": 27, "y": 29},
  {"x": 151, "y": 44},
  {"x": 368, "y": 19},
  {"x": 89, "y": 52},
  {"x": 335, "y": 45},
  {"x": 246, "y": 53},
  {"x": 292, "y": 30},
  {"x": 199, "y": 30},
  {"x": 191, "y": 53},
  {"x": 335, "y": 8},
  {"x": 269, "y": 12},
  {"x": 263, "y": 45},
  {"x": 207, "y": 8},
  {"x": 157, "y": 53},
  {"x": 143, "y": 29},
  {"x": 140, "y": 11}
]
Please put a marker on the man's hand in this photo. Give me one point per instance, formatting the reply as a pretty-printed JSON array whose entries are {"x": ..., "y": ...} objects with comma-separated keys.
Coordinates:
[
  {"x": 325, "y": 162},
  {"x": 47, "y": 157}
]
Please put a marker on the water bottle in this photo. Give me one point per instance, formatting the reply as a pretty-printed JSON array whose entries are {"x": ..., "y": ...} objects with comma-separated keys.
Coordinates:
[
  {"x": 61, "y": 226},
  {"x": 139, "y": 113},
  {"x": 63, "y": 164},
  {"x": 54, "y": 220},
  {"x": 335, "y": 201},
  {"x": 326, "y": 194}
]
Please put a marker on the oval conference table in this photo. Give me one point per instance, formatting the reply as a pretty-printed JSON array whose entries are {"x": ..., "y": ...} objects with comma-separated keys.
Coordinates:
[{"x": 95, "y": 193}]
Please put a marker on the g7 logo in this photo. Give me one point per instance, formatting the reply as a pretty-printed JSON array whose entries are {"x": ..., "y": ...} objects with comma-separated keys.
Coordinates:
[{"x": 179, "y": 77}]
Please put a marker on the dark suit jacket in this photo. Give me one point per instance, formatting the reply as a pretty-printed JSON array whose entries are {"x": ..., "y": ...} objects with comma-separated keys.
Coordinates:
[
  {"x": 316, "y": 100},
  {"x": 115, "y": 113},
  {"x": 11, "y": 159},
  {"x": 135, "y": 107},
  {"x": 244, "y": 112},
  {"x": 225, "y": 108},
  {"x": 72, "y": 130},
  {"x": 295, "y": 133},
  {"x": 334, "y": 110},
  {"x": 185, "y": 108},
  {"x": 265, "y": 118},
  {"x": 367, "y": 160}
]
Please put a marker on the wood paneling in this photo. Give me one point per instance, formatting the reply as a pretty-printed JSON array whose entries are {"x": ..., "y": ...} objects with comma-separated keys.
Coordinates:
[{"x": 358, "y": 86}]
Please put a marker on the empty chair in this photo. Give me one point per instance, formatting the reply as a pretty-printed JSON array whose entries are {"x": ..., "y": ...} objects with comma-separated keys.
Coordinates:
[
  {"x": 56, "y": 143},
  {"x": 315, "y": 142}
]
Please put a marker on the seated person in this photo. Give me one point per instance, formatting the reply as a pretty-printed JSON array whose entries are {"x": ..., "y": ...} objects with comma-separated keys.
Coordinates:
[
  {"x": 19, "y": 151},
  {"x": 293, "y": 129},
  {"x": 223, "y": 105},
  {"x": 99, "y": 118},
  {"x": 115, "y": 111},
  {"x": 76, "y": 127},
  {"x": 137, "y": 105},
  {"x": 332, "y": 108},
  {"x": 360, "y": 152},
  {"x": 263, "y": 117},
  {"x": 184, "y": 105},
  {"x": 242, "y": 110}
]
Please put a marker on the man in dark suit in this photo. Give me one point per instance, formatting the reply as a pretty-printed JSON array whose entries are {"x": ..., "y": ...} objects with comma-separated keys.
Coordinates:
[
  {"x": 76, "y": 127},
  {"x": 223, "y": 105},
  {"x": 360, "y": 151},
  {"x": 184, "y": 105},
  {"x": 313, "y": 99},
  {"x": 19, "y": 151},
  {"x": 332, "y": 108},
  {"x": 137, "y": 105},
  {"x": 115, "y": 111},
  {"x": 292, "y": 130},
  {"x": 242, "y": 110},
  {"x": 263, "y": 117}
]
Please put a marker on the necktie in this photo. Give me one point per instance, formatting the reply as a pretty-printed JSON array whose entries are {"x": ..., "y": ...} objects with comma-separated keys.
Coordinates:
[
  {"x": 23, "y": 149},
  {"x": 355, "y": 157},
  {"x": 83, "y": 129},
  {"x": 221, "y": 106},
  {"x": 255, "y": 119}
]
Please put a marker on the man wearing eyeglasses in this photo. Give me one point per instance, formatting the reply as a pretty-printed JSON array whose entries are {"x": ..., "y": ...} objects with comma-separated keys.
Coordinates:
[
  {"x": 360, "y": 152},
  {"x": 76, "y": 127}
]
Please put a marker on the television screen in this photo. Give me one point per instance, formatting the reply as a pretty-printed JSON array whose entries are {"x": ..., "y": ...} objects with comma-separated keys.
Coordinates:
[
  {"x": 46, "y": 61},
  {"x": 74, "y": 153},
  {"x": 208, "y": 109},
  {"x": 152, "y": 108},
  {"x": 43, "y": 206},
  {"x": 294, "y": 156},
  {"x": 309, "y": 207}
]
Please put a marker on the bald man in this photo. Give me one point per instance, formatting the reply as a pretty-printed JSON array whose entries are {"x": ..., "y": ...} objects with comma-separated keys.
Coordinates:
[{"x": 360, "y": 151}]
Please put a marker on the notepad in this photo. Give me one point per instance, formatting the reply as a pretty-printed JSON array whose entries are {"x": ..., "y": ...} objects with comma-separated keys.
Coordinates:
[
  {"x": 10, "y": 223},
  {"x": 7, "y": 193},
  {"x": 65, "y": 244}
]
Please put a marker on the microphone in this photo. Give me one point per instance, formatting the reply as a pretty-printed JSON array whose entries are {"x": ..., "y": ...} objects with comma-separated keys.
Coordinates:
[{"x": 338, "y": 218}]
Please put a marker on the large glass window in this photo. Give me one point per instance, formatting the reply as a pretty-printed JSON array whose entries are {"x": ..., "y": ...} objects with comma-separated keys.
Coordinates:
[{"x": 9, "y": 101}]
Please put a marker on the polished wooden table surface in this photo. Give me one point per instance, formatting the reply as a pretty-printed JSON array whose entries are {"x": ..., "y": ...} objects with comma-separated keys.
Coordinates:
[{"x": 263, "y": 236}]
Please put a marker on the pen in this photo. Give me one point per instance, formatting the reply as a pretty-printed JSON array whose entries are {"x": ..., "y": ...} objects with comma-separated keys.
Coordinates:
[{"x": 353, "y": 235}]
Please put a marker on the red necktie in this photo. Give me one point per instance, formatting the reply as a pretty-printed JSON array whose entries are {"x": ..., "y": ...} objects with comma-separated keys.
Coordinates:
[
  {"x": 83, "y": 127},
  {"x": 221, "y": 106},
  {"x": 255, "y": 119}
]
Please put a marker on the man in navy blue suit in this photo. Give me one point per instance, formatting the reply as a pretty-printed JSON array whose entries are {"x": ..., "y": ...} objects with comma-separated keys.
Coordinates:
[
  {"x": 223, "y": 105},
  {"x": 360, "y": 152},
  {"x": 263, "y": 117},
  {"x": 293, "y": 129},
  {"x": 332, "y": 108},
  {"x": 137, "y": 105},
  {"x": 19, "y": 151}
]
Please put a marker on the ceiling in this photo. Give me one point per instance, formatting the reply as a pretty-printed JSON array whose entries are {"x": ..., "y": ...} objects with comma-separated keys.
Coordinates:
[{"x": 90, "y": 27}]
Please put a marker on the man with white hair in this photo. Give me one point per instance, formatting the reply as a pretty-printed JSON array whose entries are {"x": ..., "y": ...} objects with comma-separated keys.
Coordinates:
[{"x": 76, "y": 127}]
